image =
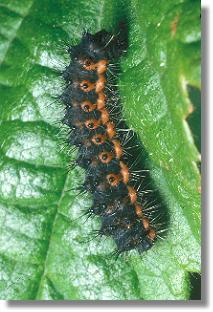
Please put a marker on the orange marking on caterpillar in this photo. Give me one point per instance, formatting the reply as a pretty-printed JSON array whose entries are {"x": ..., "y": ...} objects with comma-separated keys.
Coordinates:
[
  {"x": 102, "y": 66},
  {"x": 113, "y": 179},
  {"x": 87, "y": 86},
  {"x": 104, "y": 116},
  {"x": 98, "y": 139},
  {"x": 132, "y": 194},
  {"x": 100, "y": 84},
  {"x": 92, "y": 124},
  {"x": 138, "y": 211},
  {"x": 124, "y": 172},
  {"x": 110, "y": 128},
  {"x": 146, "y": 223},
  {"x": 117, "y": 148},
  {"x": 151, "y": 234},
  {"x": 88, "y": 107},
  {"x": 101, "y": 100},
  {"x": 105, "y": 157}
]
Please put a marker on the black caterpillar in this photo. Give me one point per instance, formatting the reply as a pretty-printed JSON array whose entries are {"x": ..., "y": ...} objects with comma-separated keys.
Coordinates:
[{"x": 92, "y": 114}]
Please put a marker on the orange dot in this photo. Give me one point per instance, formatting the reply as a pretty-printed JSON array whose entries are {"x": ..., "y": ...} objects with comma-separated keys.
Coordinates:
[
  {"x": 151, "y": 234},
  {"x": 104, "y": 116},
  {"x": 113, "y": 179},
  {"x": 105, "y": 157},
  {"x": 138, "y": 210},
  {"x": 110, "y": 128},
  {"x": 117, "y": 148},
  {"x": 124, "y": 172},
  {"x": 100, "y": 84},
  {"x": 87, "y": 106},
  {"x": 92, "y": 124},
  {"x": 146, "y": 223},
  {"x": 98, "y": 139},
  {"x": 132, "y": 194},
  {"x": 87, "y": 86},
  {"x": 102, "y": 66},
  {"x": 101, "y": 100}
]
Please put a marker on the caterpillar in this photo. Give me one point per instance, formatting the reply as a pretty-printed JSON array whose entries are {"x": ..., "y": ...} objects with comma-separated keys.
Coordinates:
[{"x": 92, "y": 114}]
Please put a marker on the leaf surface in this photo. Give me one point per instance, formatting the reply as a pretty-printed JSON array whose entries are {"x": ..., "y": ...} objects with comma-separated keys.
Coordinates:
[{"x": 45, "y": 252}]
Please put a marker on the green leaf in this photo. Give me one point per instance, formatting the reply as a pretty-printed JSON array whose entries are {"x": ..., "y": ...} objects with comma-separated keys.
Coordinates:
[{"x": 44, "y": 248}]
